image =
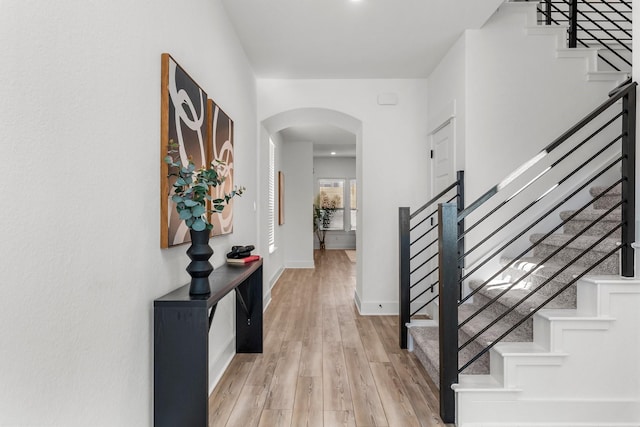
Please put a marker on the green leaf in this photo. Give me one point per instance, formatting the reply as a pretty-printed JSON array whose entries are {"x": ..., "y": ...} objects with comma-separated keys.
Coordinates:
[
  {"x": 198, "y": 210},
  {"x": 217, "y": 201},
  {"x": 190, "y": 203},
  {"x": 168, "y": 159},
  {"x": 199, "y": 225},
  {"x": 177, "y": 199},
  {"x": 180, "y": 182},
  {"x": 185, "y": 214}
]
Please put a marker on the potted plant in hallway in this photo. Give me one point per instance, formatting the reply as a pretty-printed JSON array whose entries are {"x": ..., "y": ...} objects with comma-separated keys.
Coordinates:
[
  {"x": 323, "y": 210},
  {"x": 194, "y": 204}
]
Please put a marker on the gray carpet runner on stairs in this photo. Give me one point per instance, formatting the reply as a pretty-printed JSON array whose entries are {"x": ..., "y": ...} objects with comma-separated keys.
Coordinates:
[{"x": 426, "y": 337}]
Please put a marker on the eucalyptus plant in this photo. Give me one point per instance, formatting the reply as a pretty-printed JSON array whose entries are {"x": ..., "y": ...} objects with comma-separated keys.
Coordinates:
[
  {"x": 323, "y": 210},
  {"x": 192, "y": 190}
]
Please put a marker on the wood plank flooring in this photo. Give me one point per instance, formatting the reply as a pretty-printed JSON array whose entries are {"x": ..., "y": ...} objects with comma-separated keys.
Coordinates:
[{"x": 324, "y": 364}]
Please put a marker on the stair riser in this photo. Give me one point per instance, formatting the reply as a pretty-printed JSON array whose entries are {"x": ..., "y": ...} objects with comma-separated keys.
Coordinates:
[
  {"x": 607, "y": 202},
  {"x": 599, "y": 229},
  {"x": 570, "y": 254},
  {"x": 567, "y": 299},
  {"x": 525, "y": 332}
]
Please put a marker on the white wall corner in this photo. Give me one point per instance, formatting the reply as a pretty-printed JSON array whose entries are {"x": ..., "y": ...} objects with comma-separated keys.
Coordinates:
[{"x": 222, "y": 362}]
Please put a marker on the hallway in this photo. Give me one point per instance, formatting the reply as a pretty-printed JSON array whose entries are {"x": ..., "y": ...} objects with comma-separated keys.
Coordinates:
[{"x": 323, "y": 363}]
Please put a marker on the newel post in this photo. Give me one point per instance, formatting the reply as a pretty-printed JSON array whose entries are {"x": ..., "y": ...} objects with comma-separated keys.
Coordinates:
[
  {"x": 448, "y": 308},
  {"x": 573, "y": 23},
  {"x": 628, "y": 181},
  {"x": 405, "y": 285}
]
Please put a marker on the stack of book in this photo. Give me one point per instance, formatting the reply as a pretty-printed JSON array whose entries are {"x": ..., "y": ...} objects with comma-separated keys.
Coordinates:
[{"x": 241, "y": 255}]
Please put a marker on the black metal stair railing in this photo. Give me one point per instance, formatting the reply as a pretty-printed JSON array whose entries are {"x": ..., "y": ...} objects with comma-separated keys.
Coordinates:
[
  {"x": 600, "y": 148},
  {"x": 418, "y": 253},
  {"x": 602, "y": 24}
]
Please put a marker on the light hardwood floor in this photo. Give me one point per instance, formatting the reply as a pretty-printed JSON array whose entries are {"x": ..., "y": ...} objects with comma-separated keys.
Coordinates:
[{"x": 323, "y": 363}]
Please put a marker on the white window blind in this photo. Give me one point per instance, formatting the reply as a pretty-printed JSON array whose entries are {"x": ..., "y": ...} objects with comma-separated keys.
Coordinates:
[{"x": 272, "y": 196}]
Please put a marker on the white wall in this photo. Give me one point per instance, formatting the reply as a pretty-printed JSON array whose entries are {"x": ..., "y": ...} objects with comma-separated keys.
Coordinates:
[
  {"x": 297, "y": 161},
  {"x": 520, "y": 97},
  {"x": 338, "y": 168},
  {"x": 81, "y": 260},
  {"x": 391, "y": 157},
  {"x": 447, "y": 96}
]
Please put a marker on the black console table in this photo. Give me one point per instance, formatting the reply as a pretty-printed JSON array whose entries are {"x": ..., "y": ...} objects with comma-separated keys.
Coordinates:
[{"x": 181, "y": 342}]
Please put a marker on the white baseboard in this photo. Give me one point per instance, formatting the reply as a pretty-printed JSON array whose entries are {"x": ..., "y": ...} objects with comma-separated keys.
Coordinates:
[
  {"x": 376, "y": 308},
  {"x": 299, "y": 264},
  {"x": 275, "y": 277},
  {"x": 356, "y": 298},
  {"x": 266, "y": 300}
]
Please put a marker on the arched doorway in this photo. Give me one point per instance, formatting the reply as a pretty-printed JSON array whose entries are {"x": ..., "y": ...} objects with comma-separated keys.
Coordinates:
[{"x": 294, "y": 239}]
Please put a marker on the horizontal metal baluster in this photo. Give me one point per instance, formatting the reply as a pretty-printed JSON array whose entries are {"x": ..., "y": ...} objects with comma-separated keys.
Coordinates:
[
  {"x": 421, "y": 222},
  {"x": 535, "y": 310},
  {"x": 606, "y": 19},
  {"x": 547, "y": 213},
  {"x": 541, "y": 263},
  {"x": 424, "y": 249},
  {"x": 524, "y": 252},
  {"x": 601, "y": 28},
  {"x": 434, "y": 199},
  {"x": 553, "y": 165},
  {"x": 423, "y": 263},
  {"x": 545, "y": 151},
  {"x": 424, "y": 234},
  {"x": 424, "y": 305},
  {"x": 422, "y": 293},
  {"x": 418, "y": 281}
]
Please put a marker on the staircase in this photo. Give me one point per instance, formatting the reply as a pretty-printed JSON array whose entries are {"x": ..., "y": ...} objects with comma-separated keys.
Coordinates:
[
  {"x": 517, "y": 280},
  {"x": 542, "y": 333}
]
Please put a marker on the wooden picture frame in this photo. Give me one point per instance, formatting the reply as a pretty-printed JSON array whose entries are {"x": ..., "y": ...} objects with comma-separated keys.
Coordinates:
[
  {"x": 220, "y": 147},
  {"x": 280, "y": 198},
  {"x": 183, "y": 120}
]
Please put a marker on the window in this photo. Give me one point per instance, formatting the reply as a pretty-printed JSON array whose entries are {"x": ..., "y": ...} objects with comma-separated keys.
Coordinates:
[
  {"x": 331, "y": 193},
  {"x": 353, "y": 202},
  {"x": 272, "y": 196}
]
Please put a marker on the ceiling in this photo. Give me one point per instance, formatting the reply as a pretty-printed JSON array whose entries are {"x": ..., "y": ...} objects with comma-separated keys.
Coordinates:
[
  {"x": 325, "y": 139},
  {"x": 304, "y": 39}
]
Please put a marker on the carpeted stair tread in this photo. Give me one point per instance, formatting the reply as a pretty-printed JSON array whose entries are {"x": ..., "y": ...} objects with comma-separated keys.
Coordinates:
[
  {"x": 519, "y": 291},
  {"x": 483, "y": 319},
  {"x": 517, "y": 268},
  {"x": 554, "y": 273},
  {"x": 580, "y": 242},
  {"x": 595, "y": 191},
  {"x": 593, "y": 214},
  {"x": 589, "y": 222},
  {"x": 612, "y": 197},
  {"x": 426, "y": 348}
]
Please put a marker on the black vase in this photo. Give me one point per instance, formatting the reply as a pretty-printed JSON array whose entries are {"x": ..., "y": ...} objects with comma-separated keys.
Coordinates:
[{"x": 199, "y": 268}]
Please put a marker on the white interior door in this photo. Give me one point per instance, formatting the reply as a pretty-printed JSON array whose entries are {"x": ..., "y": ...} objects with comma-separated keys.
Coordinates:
[{"x": 443, "y": 154}]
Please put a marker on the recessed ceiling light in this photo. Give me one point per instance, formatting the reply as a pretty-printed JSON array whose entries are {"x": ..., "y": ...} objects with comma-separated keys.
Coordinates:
[{"x": 333, "y": 153}]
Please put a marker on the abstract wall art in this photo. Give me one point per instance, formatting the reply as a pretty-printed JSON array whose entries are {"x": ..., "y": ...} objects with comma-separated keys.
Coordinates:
[
  {"x": 183, "y": 121},
  {"x": 220, "y": 147}
]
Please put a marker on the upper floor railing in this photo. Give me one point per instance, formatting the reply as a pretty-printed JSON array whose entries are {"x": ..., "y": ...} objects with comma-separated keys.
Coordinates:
[{"x": 602, "y": 24}]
